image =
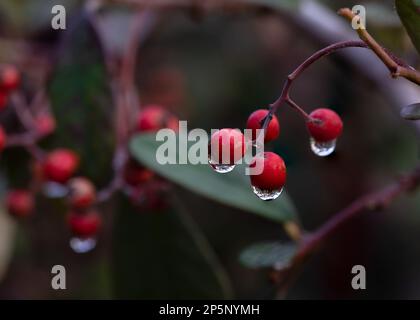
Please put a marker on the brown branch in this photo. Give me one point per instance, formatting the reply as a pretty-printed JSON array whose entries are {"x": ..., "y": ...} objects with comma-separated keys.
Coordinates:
[
  {"x": 374, "y": 201},
  {"x": 27, "y": 140},
  {"x": 396, "y": 69},
  {"x": 285, "y": 93},
  {"x": 22, "y": 111},
  {"x": 121, "y": 69}
]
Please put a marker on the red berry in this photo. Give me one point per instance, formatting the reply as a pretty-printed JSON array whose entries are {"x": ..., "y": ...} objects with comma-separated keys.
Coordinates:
[
  {"x": 227, "y": 145},
  {"x": 151, "y": 196},
  {"x": 256, "y": 120},
  {"x": 44, "y": 124},
  {"x": 3, "y": 99},
  {"x": 135, "y": 174},
  {"x": 84, "y": 225},
  {"x": 273, "y": 175},
  {"x": 327, "y": 125},
  {"x": 9, "y": 78},
  {"x": 60, "y": 165},
  {"x": 153, "y": 118},
  {"x": 20, "y": 203},
  {"x": 82, "y": 192},
  {"x": 3, "y": 139}
]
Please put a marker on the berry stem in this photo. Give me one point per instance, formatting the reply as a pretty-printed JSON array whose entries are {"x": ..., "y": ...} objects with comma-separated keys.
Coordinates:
[
  {"x": 121, "y": 70},
  {"x": 285, "y": 93},
  {"x": 28, "y": 141},
  {"x": 22, "y": 111},
  {"x": 396, "y": 68},
  {"x": 293, "y": 104},
  {"x": 395, "y": 65}
]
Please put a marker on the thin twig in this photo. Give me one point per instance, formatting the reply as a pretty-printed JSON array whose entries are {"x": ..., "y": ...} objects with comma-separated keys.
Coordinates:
[
  {"x": 396, "y": 69},
  {"x": 27, "y": 140},
  {"x": 374, "y": 201},
  {"x": 124, "y": 94},
  {"x": 22, "y": 111},
  {"x": 285, "y": 93}
]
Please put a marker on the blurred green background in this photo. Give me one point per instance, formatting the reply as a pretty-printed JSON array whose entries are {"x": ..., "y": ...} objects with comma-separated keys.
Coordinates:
[{"x": 213, "y": 69}]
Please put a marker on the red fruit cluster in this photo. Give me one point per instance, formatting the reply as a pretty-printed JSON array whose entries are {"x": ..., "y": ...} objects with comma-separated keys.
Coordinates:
[
  {"x": 3, "y": 139},
  {"x": 60, "y": 165},
  {"x": 326, "y": 125},
  {"x": 20, "y": 203},
  {"x": 227, "y": 146},
  {"x": 151, "y": 195},
  {"x": 84, "y": 225},
  {"x": 44, "y": 124},
  {"x": 273, "y": 175},
  {"x": 9, "y": 81},
  {"x": 230, "y": 145},
  {"x": 135, "y": 174},
  {"x": 255, "y": 122},
  {"x": 9, "y": 78},
  {"x": 83, "y": 220},
  {"x": 154, "y": 117},
  {"x": 146, "y": 190},
  {"x": 82, "y": 193}
]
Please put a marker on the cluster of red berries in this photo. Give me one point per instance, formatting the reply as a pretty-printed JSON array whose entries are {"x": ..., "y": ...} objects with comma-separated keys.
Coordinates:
[
  {"x": 9, "y": 81},
  {"x": 324, "y": 127},
  {"x": 144, "y": 187},
  {"x": 59, "y": 167}
]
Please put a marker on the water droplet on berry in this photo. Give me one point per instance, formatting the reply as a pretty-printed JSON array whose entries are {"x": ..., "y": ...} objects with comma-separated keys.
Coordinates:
[
  {"x": 221, "y": 168},
  {"x": 267, "y": 195},
  {"x": 80, "y": 245},
  {"x": 322, "y": 149},
  {"x": 55, "y": 190}
]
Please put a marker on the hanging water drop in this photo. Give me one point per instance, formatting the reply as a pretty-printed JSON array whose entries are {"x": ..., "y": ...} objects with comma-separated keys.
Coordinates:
[
  {"x": 322, "y": 149},
  {"x": 55, "y": 190},
  {"x": 80, "y": 245},
  {"x": 267, "y": 195},
  {"x": 221, "y": 168}
]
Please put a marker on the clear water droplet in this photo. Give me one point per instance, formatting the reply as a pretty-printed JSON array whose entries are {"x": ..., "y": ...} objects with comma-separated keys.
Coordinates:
[
  {"x": 221, "y": 168},
  {"x": 55, "y": 190},
  {"x": 322, "y": 149},
  {"x": 80, "y": 245},
  {"x": 267, "y": 195}
]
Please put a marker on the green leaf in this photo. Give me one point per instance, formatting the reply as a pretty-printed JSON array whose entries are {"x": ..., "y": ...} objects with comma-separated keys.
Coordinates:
[
  {"x": 409, "y": 12},
  {"x": 163, "y": 255},
  {"x": 81, "y": 101},
  {"x": 232, "y": 189},
  {"x": 411, "y": 112},
  {"x": 268, "y": 254}
]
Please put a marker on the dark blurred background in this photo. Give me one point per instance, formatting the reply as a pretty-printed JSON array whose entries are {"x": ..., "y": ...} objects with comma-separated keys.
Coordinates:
[{"x": 213, "y": 69}]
